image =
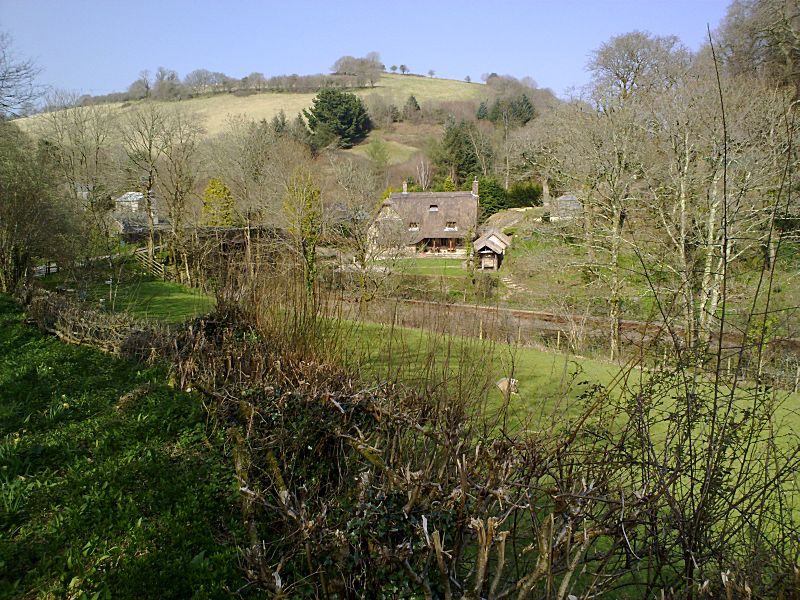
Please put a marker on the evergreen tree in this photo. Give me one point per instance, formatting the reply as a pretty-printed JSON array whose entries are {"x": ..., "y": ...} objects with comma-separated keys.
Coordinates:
[
  {"x": 511, "y": 112},
  {"x": 455, "y": 155},
  {"x": 279, "y": 123},
  {"x": 483, "y": 111},
  {"x": 337, "y": 117},
  {"x": 522, "y": 110},
  {"x": 218, "y": 206},
  {"x": 411, "y": 110},
  {"x": 492, "y": 197},
  {"x": 524, "y": 194}
]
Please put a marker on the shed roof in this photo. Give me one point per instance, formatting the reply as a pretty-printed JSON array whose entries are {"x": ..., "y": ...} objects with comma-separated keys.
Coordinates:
[
  {"x": 131, "y": 197},
  {"x": 495, "y": 240}
]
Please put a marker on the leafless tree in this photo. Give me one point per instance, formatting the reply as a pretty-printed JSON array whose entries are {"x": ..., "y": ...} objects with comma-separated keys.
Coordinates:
[
  {"x": 17, "y": 79},
  {"x": 424, "y": 172},
  {"x": 178, "y": 173},
  {"x": 144, "y": 140},
  {"x": 80, "y": 141}
]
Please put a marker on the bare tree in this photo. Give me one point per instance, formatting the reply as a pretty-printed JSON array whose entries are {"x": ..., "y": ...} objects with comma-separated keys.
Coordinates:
[
  {"x": 177, "y": 179},
  {"x": 17, "y": 79},
  {"x": 424, "y": 172},
  {"x": 358, "y": 202},
  {"x": 80, "y": 142},
  {"x": 144, "y": 141}
]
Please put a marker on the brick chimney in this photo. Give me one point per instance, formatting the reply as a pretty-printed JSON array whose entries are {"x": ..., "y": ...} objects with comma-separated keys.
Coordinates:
[
  {"x": 405, "y": 186},
  {"x": 475, "y": 187}
]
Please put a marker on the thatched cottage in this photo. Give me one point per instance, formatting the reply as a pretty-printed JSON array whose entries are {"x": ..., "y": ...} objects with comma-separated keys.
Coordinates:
[{"x": 428, "y": 221}]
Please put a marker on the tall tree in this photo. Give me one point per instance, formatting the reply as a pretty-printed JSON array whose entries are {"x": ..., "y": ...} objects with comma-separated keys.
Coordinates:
[
  {"x": 17, "y": 79},
  {"x": 34, "y": 223},
  {"x": 463, "y": 152},
  {"x": 302, "y": 210},
  {"x": 144, "y": 140},
  {"x": 763, "y": 37},
  {"x": 80, "y": 142},
  {"x": 177, "y": 179},
  {"x": 337, "y": 117}
]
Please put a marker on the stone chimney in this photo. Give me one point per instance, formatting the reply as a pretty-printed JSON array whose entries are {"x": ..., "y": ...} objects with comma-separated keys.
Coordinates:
[
  {"x": 405, "y": 186},
  {"x": 475, "y": 187}
]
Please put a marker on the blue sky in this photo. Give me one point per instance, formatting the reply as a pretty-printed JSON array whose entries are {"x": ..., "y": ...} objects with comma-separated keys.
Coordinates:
[{"x": 94, "y": 46}]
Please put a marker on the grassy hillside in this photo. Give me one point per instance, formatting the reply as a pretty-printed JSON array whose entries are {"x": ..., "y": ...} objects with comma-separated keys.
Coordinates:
[{"x": 213, "y": 110}]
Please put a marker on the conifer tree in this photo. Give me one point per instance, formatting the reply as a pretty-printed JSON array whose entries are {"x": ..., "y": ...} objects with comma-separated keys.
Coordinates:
[{"x": 218, "y": 206}]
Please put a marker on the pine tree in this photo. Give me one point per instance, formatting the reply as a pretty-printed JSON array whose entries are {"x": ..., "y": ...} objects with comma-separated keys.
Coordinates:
[
  {"x": 411, "y": 109},
  {"x": 337, "y": 117}
]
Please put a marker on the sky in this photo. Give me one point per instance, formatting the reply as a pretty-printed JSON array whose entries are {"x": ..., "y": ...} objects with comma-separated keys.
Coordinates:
[{"x": 100, "y": 46}]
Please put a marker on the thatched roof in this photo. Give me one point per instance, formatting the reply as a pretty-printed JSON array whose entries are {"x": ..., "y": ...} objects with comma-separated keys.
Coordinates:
[
  {"x": 495, "y": 240},
  {"x": 433, "y": 212}
]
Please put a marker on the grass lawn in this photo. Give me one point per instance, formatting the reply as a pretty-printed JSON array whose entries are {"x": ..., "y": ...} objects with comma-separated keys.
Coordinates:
[
  {"x": 154, "y": 299},
  {"x": 550, "y": 384},
  {"x": 111, "y": 484},
  {"x": 143, "y": 296},
  {"x": 445, "y": 267}
]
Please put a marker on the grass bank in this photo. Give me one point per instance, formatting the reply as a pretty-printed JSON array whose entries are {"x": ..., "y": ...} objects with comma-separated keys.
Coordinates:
[{"x": 112, "y": 485}]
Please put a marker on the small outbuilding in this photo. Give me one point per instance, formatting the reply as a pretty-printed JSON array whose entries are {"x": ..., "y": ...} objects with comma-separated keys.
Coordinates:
[
  {"x": 490, "y": 248},
  {"x": 565, "y": 208}
]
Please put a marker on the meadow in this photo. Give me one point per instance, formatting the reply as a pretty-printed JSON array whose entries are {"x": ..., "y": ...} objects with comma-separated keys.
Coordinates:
[{"x": 213, "y": 110}]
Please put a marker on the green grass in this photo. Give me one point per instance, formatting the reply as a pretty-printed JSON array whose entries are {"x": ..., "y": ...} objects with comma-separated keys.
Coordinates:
[
  {"x": 550, "y": 384},
  {"x": 140, "y": 295},
  {"x": 398, "y": 152},
  {"x": 149, "y": 298},
  {"x": 111, "y": 484},
  {"x": 443, "y": 267}
]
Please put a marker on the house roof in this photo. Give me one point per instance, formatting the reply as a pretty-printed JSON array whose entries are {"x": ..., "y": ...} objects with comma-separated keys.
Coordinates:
[
  {"x": 495, "y": 240},
  {"x": 131, "y": 197},
  {"x": 415, "y": 207}
]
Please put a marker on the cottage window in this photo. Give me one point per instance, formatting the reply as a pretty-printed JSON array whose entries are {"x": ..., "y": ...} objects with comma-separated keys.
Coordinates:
[
  {"x": 434, "y": 208},
  {"x": 413, "y": 226},
  {"x": 451, "y": 226}
]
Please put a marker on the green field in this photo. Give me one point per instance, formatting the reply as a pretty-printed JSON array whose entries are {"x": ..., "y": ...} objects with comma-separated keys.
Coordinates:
[
  {"x": 444, "y": 267},
  {"x": 112, "y": 486},
  {"x": 149, "y": 298},
  {"x": 550, "y": 384},
  {"x": 141, "y": 296}
]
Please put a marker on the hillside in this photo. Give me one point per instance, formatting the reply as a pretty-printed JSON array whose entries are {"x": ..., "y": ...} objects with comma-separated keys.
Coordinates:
[{"x": 213, "y": 110}]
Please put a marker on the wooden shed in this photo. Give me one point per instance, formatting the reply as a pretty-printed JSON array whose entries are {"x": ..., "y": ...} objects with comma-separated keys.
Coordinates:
[{"x": 490, "y": 248}]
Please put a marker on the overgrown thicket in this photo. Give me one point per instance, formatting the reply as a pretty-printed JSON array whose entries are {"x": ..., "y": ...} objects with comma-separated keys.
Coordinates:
[{"x": 676, "y": 481}]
